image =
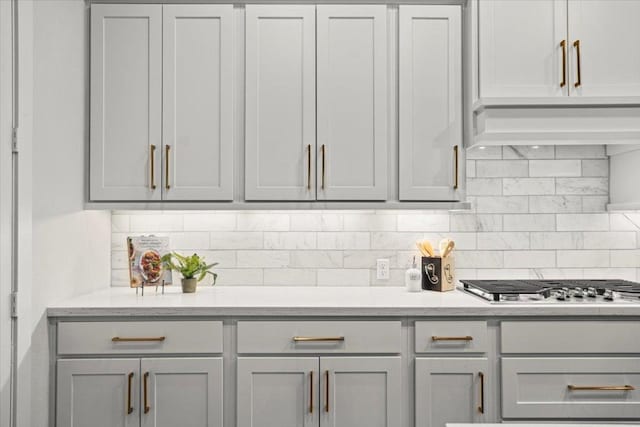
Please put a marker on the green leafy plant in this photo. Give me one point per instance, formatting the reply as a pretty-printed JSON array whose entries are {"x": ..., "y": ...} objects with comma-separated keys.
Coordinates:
[{"x": 190, "y": 267}]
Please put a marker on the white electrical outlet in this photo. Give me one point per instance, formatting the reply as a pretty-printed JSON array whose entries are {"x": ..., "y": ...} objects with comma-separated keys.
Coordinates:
[{"x": 382, "y": 271}]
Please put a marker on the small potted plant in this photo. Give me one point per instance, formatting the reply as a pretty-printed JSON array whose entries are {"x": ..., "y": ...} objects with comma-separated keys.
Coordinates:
[{"x": 193, "y": 269}]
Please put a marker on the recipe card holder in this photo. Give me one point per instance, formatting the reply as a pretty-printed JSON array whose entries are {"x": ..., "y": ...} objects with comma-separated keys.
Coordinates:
[
  {"x": 145, "y": 283},
  {"x": 438, "y": 274}
]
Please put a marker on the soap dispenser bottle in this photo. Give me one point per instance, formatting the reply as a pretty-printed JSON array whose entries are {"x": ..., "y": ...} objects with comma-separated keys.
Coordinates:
[{"x": 413, "y": 278}]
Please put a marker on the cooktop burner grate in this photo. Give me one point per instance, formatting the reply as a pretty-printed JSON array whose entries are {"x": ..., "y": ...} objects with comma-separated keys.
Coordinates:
[{"x": 512, "y": 288}]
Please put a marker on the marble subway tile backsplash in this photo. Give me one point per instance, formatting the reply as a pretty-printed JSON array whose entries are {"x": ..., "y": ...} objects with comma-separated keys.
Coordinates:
[{"x": 537, "y": 213}]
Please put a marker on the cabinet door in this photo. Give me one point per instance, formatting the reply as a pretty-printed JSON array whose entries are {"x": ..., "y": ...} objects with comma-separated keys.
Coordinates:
[
  {"x": 430, "y": 115},
  {"x": 182, "y": 392},
  {"x": 277, "y": 392},
  {"x": 608, "y": 34},
  {"x": 361, "y": 391},
  {"x": 352, "y": 102},
  {"x": 126, "y": 93},
  {"x": 520, "y": 51},
  {"x": 197, "y": 102},
  {"x": 98, "y": 393},
  {"x": 451, "y": 391},
  {"x": 280, "y": 122}
]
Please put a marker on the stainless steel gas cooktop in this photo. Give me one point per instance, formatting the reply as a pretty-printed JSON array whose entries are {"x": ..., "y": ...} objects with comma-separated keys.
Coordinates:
[{"x": 567, "y": 291}]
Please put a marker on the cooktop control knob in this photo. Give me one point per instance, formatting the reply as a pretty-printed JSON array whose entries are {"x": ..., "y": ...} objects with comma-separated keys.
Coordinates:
[
  {"x": 578, "y": 293},
  {"x": 561, "y": 295},
  {"x": 591, "y": 292},
  {"x": 609, "y": 295}
]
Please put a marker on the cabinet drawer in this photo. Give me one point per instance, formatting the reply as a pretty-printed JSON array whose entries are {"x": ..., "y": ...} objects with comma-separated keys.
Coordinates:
[
  {"x": 581, "y": 337},
  {"x": 567, "y": 388},
  {"x": 139, "y": 337},
  {"x": 451, "y": 337},
  {"x": 319, "y": 337}
]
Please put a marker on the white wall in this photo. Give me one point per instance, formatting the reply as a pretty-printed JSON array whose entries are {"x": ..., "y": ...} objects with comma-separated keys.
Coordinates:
[
  {"x": 71, "y": 246},
  {"x": 6, "y": 102}
]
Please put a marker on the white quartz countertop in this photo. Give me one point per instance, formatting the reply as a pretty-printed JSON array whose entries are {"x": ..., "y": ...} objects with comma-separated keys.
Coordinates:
[
  {"x": 313, "y": 301},
  {"x": 547, "y": 424}
]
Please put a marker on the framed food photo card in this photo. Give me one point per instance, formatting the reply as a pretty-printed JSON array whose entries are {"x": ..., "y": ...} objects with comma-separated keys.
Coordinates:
[{"x": 145, "y": 260}]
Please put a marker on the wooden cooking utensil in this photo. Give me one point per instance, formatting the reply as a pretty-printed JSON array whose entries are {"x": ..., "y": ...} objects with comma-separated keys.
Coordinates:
[{"x": 448, "y": 249}]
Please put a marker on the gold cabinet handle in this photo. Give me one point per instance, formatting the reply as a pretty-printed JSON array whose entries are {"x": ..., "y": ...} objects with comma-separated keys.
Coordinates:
[
  {"x": 326, "y": 391},
  {"x": 146, "y": 395},
  {"x": 309, "y": 167},
  {"x": 576, "y": 44},
  {"x": 455, "y": 156},
  {"x": 572, "y": 387},
  {"x": 152, "y": 156},
  {"x": 481, "y": 406},
  {"x": 563, "y": 45},
  {"x": 138, "y": 339},
  {"x": 129, "y": 385},
  {"x": 317, "y": 339},
  {"x": 166, "y": 166},
  {"x": 311, "y": 392},
  {"x": 324, "y": 152},
  {"x": 465, "y": 338}
]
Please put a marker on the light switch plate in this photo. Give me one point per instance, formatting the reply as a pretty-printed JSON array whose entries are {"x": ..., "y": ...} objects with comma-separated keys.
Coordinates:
[{"x": 382, "y": 271}]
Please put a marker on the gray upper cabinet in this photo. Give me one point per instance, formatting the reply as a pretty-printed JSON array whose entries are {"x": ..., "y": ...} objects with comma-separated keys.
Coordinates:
[
  {"x": 352, "y": 102},
  {"x": 298, "y": 103},
  {"x": 430, "y": 103},
  {"x": 126, "y": 94},
  {"x": 605, "y": 58},
  {"x": 197, "y": 102},
  {"x": 161, "y": 102},
  {"x": 280, "y": 122},
  {"x": 520, "y": 48}
]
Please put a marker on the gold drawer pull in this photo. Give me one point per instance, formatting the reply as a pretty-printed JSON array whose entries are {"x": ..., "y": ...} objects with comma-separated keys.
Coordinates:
[
  {"x": 576, "y": 45},
  {"x": 138, "y": 339},
  {"x": 129, "y": 385},
  {"x": 319, "y": 339},
  {"x": 147, "y": 408},
  {"x": 324, "y": 154},
  {"x": 309, "y": 167},
  {"x": 563, "y": 45},
  {"x": 481, "y": 406},
  {"x": 311, "y": 392},
  {"x": 572, "y": 387},
  {"x": 326, "y": 391},
  {"x": 465, "y": 338},
  {"x": 167, "y": 185},
  {"x": 456, "y": 167},
  {"x": 152, "y": 158}
]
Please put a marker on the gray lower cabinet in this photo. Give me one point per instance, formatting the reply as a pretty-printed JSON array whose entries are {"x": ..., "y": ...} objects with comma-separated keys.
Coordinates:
[
  {"x": 361, "y": 391},
  {"x": 312, "y": 391},
  {"x": 451, "y": 390},
  {"x": 140, "y": 392},
  {"x": 184, "y": 392},
  {"x": 277, "y": 392},
  {"x": 98, "y": 393},
  {"x": 570, "y": 388}
]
